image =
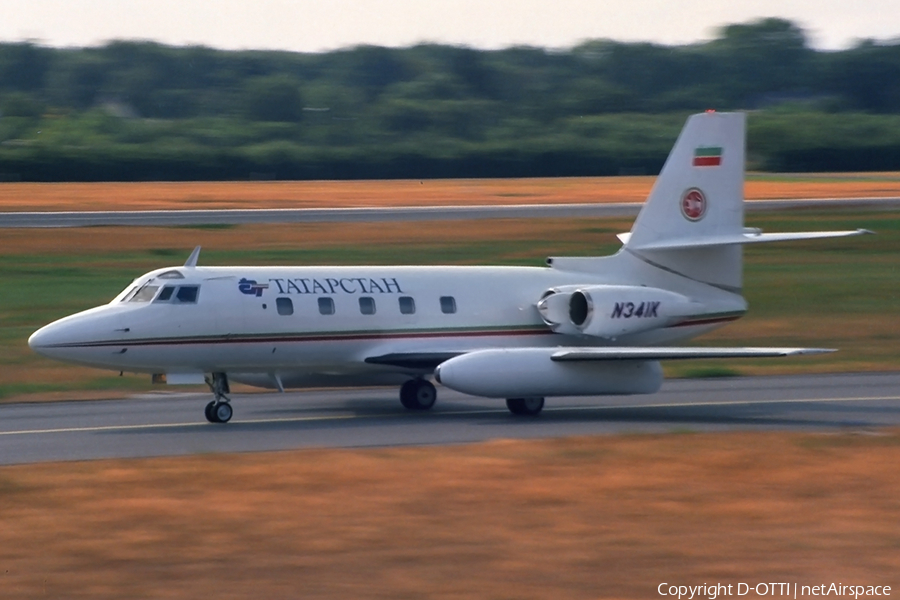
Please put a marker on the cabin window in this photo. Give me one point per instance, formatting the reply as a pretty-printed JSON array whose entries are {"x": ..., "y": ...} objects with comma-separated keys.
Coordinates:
[
  {"x": 166, "y": 294},
  {"x": 285, "y": 306},
  {"x": 145, "y": 294},
  {"x": 187, "y": 294},
  {"x": 326, "y": 306},
  {"x": 448, "y": 305},
  {"x": 367, "y": 305},
  {"x": 407, "y": 305}
]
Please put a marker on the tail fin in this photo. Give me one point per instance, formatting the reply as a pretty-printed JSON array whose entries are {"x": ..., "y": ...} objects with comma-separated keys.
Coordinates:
[
  {"x": 697, "y": 203},
  {"x": 692, "y": 224}
]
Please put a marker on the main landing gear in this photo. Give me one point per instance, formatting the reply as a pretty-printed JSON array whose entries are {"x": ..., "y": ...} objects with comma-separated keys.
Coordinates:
[
  {"x": 417, "y": 394},
  {"x": 525, "y": 406},
  {"x": 219, "y": 410}
]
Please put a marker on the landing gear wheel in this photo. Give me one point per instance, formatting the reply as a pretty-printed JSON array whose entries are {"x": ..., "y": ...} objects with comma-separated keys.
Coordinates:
[
  {"x": 418, "y": 394},
  {"x": 222, "y": 412},
  {"x": 208, "y": 411},
  {"x": 525, "y": 406},
  {"x": 407, "y": 394},
  {"x": 218, "y": 412}
]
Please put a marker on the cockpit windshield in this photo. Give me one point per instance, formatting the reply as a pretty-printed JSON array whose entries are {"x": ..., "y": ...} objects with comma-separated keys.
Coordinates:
[
  {"x": 149, "y": 290},
  {"x": 143, "y": 294},
  {"x": 124, "y": 296}
]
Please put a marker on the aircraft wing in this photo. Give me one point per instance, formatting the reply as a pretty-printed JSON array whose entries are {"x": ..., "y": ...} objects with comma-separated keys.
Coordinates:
[
  {"x": 674, "y": 353},
  {"x": 576, "y": 371},
  {"x": 430, "y": 360}
]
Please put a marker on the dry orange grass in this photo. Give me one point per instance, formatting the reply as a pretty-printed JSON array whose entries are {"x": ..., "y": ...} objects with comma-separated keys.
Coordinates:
[
  {"x": 608, "y": 517},
  {"x": 74, "y": 241},
  {"x": 310, "y": 194}
]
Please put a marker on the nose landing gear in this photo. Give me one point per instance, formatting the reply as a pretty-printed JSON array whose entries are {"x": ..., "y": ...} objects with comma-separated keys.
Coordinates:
[{"x": 219, "y": 410}]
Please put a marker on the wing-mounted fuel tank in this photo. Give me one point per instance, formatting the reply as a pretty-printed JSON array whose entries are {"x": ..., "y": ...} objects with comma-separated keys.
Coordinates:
[
  {"x": 532, "y": 372},
  {"x": 610, "y": 311}
]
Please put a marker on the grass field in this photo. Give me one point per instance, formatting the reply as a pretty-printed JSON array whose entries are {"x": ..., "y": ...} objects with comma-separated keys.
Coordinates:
[
  {"x": 603, "y": 517},
  {"x": 833, "y": 293}
]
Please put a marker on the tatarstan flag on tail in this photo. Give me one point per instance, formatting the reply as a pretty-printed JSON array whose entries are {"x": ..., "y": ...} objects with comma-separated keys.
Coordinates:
[{"x": 707, "y": 156}]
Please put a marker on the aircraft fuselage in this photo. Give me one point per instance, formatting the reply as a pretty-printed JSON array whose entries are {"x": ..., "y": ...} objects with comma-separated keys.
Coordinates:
[{"x": 319, "y": 325}]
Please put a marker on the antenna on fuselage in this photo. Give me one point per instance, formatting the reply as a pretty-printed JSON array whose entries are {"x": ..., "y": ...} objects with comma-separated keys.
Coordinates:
[{"x": 192, "y": 259}]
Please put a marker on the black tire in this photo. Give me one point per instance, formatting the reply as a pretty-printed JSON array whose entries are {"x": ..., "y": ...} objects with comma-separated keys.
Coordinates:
[
  {"x": 426, "y": 395},
  {"x": 222, "y": 412},
  {"x": 408, "y": 394},
  {"x": 209, "y": 412},
  {"x": 418, "y": 394},
  {"x": 525, "y": 406}
]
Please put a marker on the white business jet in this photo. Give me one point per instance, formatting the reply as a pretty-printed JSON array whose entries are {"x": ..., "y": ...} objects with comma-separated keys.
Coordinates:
[{"x": 579, "y": 326}]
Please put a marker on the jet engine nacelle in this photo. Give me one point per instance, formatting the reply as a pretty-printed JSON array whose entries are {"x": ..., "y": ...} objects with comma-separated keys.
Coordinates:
[
  {"x": 530, "y": 372},
  {"x": 610, "y": 311},
  {"x": 554, "y": 310}
]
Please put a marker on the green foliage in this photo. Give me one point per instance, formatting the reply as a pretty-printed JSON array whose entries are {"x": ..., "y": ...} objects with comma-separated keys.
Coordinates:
[
  {"x": 769, "y": 56},
  {"x": 141, "y": 110},
  {"x": 272, "y": 98},
  {"x": 24, "y": 66},
  {"x": 20, "y": 104}
]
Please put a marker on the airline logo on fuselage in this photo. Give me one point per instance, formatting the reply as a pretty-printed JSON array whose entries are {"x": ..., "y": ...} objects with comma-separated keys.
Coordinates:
[
  {"x": 251, "y": 288},
  {"x": 330, "y": 285}
]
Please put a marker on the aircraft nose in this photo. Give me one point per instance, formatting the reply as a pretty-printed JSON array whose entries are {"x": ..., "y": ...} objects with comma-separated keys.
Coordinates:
[
  {"x": 78, "y": 338},
  {"x": 38, "y": 339},
  {"x": 60, "y": 338},
  {"x": 45, "y": 338}
]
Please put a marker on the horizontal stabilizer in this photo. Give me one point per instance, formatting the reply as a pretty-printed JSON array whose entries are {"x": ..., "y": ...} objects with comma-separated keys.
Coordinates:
[
  {"x": 674, "y": 353},
  {"x": 751, "y": 237}
]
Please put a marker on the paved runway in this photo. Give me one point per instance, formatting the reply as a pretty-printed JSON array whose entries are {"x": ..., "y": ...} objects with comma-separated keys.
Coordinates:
[
  {"x": 173, "y": 424},
  {"x": 158, "y": 218}
]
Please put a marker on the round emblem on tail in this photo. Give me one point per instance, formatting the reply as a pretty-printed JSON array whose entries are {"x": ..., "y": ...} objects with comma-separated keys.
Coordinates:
[{"x": 693, "y": 204}]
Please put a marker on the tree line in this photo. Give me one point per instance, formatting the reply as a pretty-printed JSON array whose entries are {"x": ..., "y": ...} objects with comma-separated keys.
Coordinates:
[{"x": 142, "y": 110}]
